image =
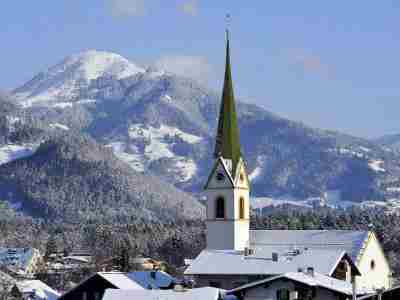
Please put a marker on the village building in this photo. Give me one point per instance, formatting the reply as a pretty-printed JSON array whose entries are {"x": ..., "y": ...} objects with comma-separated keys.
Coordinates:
[
  {"x": 206, "y": 293},
  {"x": 33, "y": 289},
  {"x": 93, "y": 287},
  {"x": 236, "y": 255},
  {"x": 296, "y": 285},
  {"x": 21, "y": 261}
]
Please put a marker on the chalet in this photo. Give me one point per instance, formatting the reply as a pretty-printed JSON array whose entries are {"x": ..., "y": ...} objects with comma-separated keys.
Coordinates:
[
  {"x": 296, "y": 285},
  {"x": 93, "y": 288},
  {"x": 236, "y": 255},
  {"x": 33, "y": 289},
  {"x": 206, "y": 293}
]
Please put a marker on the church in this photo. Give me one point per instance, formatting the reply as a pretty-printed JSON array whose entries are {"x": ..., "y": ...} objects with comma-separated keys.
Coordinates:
[{"x": 236, "y": 256}]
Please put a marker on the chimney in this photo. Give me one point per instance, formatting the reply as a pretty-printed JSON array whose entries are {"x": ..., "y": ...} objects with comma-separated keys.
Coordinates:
[
  {"x": 248, "y": 251},
  {"x": 310, "y": 271},
  {"x": 275, "y": 256}
]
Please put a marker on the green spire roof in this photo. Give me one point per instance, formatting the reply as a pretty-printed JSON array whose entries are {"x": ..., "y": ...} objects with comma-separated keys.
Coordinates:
[{"x": 227, "y": 141}]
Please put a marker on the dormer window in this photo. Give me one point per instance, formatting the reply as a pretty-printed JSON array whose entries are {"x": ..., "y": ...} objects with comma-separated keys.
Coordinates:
[{"x": 220, "y": 208}]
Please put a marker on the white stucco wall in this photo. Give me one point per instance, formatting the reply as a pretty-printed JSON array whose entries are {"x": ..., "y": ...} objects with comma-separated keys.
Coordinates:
[
  {"x": 230, "y": 232},
  {"x": 270, "y": 293},
  {"x": 380, "y": 275}
]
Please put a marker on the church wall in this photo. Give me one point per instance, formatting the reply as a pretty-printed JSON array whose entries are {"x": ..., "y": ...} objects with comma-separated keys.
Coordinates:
[
  {"x": 220, "y": 235},
  {"x": 375, "y": 276}
]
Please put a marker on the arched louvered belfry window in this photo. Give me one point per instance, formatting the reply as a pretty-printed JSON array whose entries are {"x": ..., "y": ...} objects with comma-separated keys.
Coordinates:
[
  {"x": 241, "y": 208},
  {"x": 220, "y": 208}
]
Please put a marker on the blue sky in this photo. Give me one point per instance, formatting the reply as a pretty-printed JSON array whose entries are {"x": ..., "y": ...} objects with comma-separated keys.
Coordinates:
[{"x": 329, "y": 64}]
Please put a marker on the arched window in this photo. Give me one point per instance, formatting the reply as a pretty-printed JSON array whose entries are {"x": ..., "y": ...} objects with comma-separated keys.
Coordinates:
[
  {"x": 220, "y": 208},
  {"x": 241, "y": 208}
]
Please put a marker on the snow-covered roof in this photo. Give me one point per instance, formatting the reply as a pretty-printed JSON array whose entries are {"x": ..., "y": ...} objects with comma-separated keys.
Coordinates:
[
  {"x": 81, "y": 259},
  {"x": 289, "y": 260},
  {"x": 39, "y": 288},
  {"x": 317, "y": 280},
  {"x": 120, "y": 280},
  {"x": 350, "y": 241},
  {"x": 152, "y": 279},
  {"x": 139, "y": 279},
  {"x": 205, "y": 293}
]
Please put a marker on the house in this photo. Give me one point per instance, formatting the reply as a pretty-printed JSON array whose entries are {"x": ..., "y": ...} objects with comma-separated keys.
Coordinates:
[
  {"x": 6, "y": 282},
  {"x": 236, "y": 255},
  {"x": 389, "y": 294},
  {"x": 206, "y": 293},
  {"x": 228, "y": 269},
  {"x": 147, "y": 264},
  {"x": 93, "y": 288},
  {"x": 33, "y": 289},
  {"x": 295, "y": 285},
  {"x": 20, "y": 260}
]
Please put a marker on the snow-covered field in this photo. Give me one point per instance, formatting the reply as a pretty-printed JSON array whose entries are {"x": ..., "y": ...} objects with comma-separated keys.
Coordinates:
[
  {"x": 157, "y": 145},
  {"x": 330, "y": 199},
  {"x": 58, "y": 126},
  {"x": 12, "y": 152},
  {"x": 376, "y": 165}
]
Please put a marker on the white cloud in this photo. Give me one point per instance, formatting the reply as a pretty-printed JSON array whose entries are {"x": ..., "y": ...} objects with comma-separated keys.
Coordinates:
[
  {"x": 127, "y": 8},
  {"x": 190, "y": 7},
  {"x": 195, "y": 67}
]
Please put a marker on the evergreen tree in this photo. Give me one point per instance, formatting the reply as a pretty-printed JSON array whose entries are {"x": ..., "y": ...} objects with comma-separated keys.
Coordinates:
[{"x": 51, "y": 246}]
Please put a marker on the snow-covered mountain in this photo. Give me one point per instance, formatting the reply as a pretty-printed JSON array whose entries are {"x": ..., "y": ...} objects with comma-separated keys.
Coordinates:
[
  {"x": 164, "y": 125},
  {"x": 69, "y": 79}
]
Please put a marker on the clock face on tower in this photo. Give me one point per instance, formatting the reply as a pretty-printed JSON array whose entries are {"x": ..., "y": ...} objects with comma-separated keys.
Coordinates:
[{"x": 220, "y": 176}]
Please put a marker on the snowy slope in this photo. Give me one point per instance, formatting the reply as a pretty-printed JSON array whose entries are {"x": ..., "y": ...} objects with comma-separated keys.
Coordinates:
[
  {"x": 67, "y": 79},
  {"x": 12, "y": 152},
  {"x": 149, "y": 144}
]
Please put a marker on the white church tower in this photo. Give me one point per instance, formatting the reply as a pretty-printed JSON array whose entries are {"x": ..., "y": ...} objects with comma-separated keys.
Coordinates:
[{"x": 228, "y": 185}]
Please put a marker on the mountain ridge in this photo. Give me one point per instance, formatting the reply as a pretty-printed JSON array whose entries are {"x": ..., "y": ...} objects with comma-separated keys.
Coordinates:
[{"x": 164, "y": 125}]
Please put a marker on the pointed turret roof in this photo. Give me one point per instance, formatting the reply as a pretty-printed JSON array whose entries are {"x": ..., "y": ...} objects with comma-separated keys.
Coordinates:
[{"x": 227, "y": 141}]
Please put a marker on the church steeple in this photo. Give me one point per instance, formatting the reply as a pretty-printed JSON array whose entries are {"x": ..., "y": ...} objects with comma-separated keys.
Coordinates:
[
  {"x": 227, "y": 143},
  {"x": 228, "y": 186}
]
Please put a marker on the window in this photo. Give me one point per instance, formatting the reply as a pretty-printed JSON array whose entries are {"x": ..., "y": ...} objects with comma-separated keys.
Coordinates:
[
  {"x": 215, "y": 284},
  {"x": 241, "y": 208},
  {"x": 220, "y": 208},
  {"x": 241, "y": 177},
  {"x": 283, "y": 294},
  {"x": 372, "y": 264},
  {"x": 220, "y": 176}
]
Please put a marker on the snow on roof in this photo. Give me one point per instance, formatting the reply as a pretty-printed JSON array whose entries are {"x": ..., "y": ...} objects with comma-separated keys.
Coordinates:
[
  {"x": 82, "y": 259},
  {"x": 350, "y": 241},
  {"x": 317, "y": 280},
  {"x": 234, "y": 262},
  {"x": 152, "y": 279},
  {"x": 41, "y": 290},
  {"x": 205, "y": 293},
  {"x": 120, "y": 280}
]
